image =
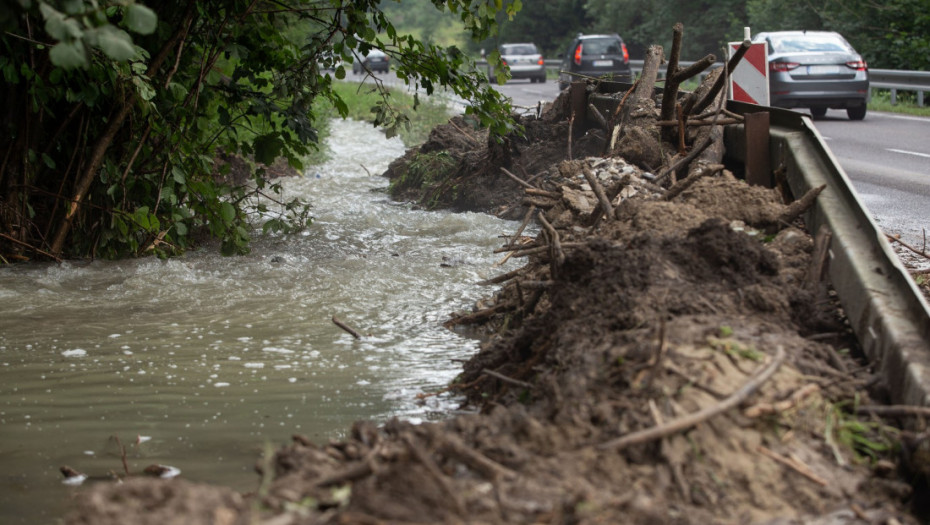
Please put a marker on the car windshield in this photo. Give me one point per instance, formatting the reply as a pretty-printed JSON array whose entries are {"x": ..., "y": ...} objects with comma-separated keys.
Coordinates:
[
  {"x": 600, "y": 46},
  {"x": 518, "y": 49},
  {"x": 809, "y": 44}
]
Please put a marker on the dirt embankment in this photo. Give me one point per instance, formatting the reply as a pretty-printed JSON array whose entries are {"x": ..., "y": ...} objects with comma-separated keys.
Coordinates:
[{"x": 668, "y": 354}]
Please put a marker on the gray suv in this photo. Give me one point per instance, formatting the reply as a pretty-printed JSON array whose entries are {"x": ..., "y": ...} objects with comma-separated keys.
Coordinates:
[{"x": 595, "y": 56}]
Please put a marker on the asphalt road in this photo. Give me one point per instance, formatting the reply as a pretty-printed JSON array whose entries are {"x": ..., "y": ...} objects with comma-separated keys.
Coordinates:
[{"x": 886, "y": 156}]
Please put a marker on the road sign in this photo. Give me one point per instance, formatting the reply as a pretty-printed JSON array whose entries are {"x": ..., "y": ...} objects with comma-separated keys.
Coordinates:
[{"x": 749, "y": 81}]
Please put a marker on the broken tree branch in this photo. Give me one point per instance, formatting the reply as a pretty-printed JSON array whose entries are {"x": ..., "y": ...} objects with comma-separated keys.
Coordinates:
[
  {"x": 692, "y": 420},
  {"x": 505, "y": 379},
  {"x": 602, "y": 199}
]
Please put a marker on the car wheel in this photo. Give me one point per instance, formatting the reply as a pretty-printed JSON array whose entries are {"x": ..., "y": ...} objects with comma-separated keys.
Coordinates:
[
  {"x": 856, "y": 112},
  {"x": 541, "y": 80},
  {"x": 818, "y": 112}
]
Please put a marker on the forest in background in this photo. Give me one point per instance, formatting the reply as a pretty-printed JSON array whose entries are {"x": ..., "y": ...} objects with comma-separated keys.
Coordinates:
[
  {"x": 117, "y": 115},
  {"x": 890, "y": 34}
]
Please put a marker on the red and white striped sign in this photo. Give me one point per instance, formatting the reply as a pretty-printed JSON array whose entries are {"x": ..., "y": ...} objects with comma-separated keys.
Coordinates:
[{"x": 749, "y": 81}]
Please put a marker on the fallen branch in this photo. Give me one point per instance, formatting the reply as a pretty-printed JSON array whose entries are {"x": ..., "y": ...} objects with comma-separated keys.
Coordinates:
[
  {"x": 31, "y": 247},
  {"x": 543, "y": 193},
  {"x": 505, "y": 379},
  {"x": 345, "y": 327},
  {"x": 894, "y": 410},
  {"x": 793, "y": 464},
  {"x": 606, "y": 208},
  {"x": 503, "y": 277},
  {"x": 478, "y": 316},
  {"x": 692, "y": 420},
  {"x": 689, "y": 181},
  {"x": 474, "y": 459},
  {"x": 555, "y": 245},
  {"x": 762, "y": 409},
  {"x": 796, "y": 208},
  {"x": 435, "y": 473},
  {"x": 517, "y": 179}
]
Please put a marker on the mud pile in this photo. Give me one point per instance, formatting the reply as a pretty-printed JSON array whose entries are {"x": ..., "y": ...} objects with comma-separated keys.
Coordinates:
[{"x": 668, "y": 354}]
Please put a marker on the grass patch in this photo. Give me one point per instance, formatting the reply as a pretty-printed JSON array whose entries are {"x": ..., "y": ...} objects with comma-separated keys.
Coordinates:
[
  {"x": 426, "y": 176},
  {"x": 906, "y": 103},
  {"x": 362, "y": 98}
]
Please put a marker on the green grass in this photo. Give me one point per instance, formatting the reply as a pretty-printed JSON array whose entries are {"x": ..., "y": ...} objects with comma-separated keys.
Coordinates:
[
  {"x": 361, "y": 98},
  {"x": 906, "y": 104}
]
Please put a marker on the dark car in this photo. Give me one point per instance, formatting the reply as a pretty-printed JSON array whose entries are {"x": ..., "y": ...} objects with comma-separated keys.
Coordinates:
[
  {"x": 595, "y": 56},
  {"x": 816, "y": 70},
  {"x": 375, "y": 60},
  {"x": 524, "y": 61}
]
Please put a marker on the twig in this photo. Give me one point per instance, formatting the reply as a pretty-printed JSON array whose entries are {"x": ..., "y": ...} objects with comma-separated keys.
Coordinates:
[
  {"x": 554, "y": 243},
  {"x": 518, "y": 179},
  {"x": 692, "y": 420},
  {"x": 478, "y": 316},
  {"x": 435, "y": 473},
  {"x": 463, "y": 132},
  {"x": 606, "y": 208},
  {"x": 895, "y": 238},
  {"x": 505, "y": 379},
  {"x": 503, "y": 277},
  {"x": 454, "y": 446},
  {"x": 543, "y": 193},
  {"x": 122, "y": 450},
  {"x": 793, "y": 464},
  {"x": 31, "y": 247},
  {"x": 523, "y": 225},
  {"x": 894, "y": 410},
  {"x": 689, "y": 181},
  {"x": 345, "y": 327},
  {"x": 796, "y": 208},
  {"x": 762, "y": 409}
]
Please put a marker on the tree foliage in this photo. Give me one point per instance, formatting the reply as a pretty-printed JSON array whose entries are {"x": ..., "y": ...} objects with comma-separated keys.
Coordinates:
[{"x": 115, "y": 111}]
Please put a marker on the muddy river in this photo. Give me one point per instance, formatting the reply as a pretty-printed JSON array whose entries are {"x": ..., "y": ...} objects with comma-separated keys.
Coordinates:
[{"x": 201, "y": 362}]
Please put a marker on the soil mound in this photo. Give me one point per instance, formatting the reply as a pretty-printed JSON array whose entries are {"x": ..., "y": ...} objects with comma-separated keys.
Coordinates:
[{"x": 666, "y": 355}]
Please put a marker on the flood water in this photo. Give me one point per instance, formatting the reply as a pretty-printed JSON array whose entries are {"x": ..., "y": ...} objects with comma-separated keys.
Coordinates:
[{"x": 202, "y": 361}]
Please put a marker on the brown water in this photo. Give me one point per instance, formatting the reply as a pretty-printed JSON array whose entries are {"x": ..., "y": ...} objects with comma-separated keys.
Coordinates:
[{"x": 201, "y": 361}]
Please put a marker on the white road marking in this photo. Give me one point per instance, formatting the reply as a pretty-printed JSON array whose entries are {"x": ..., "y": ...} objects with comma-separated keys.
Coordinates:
[
  {"x": 926, "y": 155},
  {"x": 903, "y": 117}
]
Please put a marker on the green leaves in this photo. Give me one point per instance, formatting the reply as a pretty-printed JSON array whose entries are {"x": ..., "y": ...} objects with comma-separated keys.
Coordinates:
[
  {"x": 82, "y": 27},
  {"x": 140, "y": 19},
  {"x": 69, "y": 55},
  {"x": 114, "y": 42}
]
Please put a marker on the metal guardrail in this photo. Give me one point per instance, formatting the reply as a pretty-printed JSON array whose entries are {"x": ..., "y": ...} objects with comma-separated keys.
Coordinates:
[
  {"x": 893, "y": 80},
  {"x": 885, "y": 309},
  {"x": 888, "y": 314},
  {"x": 896, "y": 80}
]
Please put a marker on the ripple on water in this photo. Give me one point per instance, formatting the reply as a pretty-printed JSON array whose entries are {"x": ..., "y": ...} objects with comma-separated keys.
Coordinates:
[{"x": 159, "y": 348}]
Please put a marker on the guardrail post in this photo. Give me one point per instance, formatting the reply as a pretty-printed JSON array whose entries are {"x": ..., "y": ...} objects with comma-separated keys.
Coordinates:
[{"x": 758, "y": 167}]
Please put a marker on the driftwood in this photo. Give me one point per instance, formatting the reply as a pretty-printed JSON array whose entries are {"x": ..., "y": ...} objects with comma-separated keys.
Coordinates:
[{"x": 346, "y": 327}]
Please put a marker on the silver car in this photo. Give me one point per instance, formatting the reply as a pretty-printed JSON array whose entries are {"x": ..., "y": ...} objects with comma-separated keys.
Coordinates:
[
  {"x": 524, "y": 61},
  {"x": 816, "y": 70}
]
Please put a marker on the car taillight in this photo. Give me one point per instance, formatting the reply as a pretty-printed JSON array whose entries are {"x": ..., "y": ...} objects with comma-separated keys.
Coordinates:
[
  {"x": 858, "y": 65},
  {"x": 503, "y": 62},
  {"x": 541, "y": 62},
  {"x": 578, "y": 55},
  {"x": 626, "y": 54},
  {"x": 783, "y": 66}
]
